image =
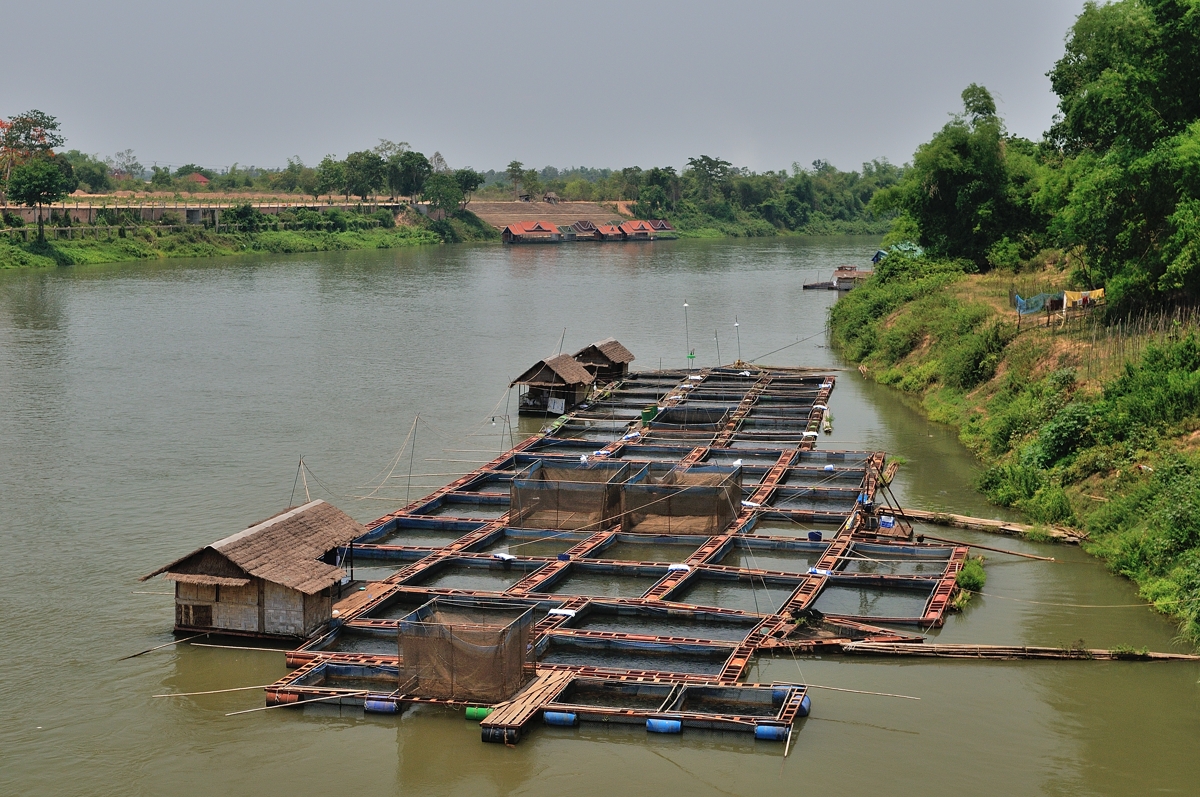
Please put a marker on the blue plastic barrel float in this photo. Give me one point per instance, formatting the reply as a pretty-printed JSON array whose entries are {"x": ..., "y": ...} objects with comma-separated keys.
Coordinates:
[
  {"x": 805, "y": 706},
  {"x": 564, "y": 718},
  {"x": 771, "y": 733},
  {"x": 664, "y": 726},
  {"x": 381, "y": 706}
]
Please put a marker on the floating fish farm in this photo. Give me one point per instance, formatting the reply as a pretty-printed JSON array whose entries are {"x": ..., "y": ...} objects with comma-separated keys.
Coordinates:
[{"x": 627, "y": 564}]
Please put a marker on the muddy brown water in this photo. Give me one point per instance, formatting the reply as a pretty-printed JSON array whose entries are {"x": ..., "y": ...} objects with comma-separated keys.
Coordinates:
[{"x": 148, "y": 409}]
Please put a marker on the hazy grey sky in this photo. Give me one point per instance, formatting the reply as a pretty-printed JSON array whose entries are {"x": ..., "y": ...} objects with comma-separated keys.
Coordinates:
[{"x": 761, "y": 83}]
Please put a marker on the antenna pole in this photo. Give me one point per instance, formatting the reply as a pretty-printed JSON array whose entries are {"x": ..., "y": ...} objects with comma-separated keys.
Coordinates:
[
  {"x": 737, "y": 329},
  {"x": 687, "y": 336}
]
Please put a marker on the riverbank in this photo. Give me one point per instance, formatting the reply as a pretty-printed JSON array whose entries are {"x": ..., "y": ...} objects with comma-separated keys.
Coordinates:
[
  {"x": 150, "y": 241},
  {"x": 1087, "y": 425}
]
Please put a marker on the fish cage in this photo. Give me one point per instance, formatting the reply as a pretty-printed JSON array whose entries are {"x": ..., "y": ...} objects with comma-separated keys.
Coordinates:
[
  {"x": 465, "y": 650},
  {"x": 696, "y": 500},
  {"x": 554, "y": 495}
]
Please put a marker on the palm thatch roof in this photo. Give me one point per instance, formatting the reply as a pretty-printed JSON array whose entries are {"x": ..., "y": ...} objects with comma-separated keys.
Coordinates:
[
  {"x": 285, "y": 549},
  {"x": 555, "y": 371},
  {"x": 604, "y": 352}
]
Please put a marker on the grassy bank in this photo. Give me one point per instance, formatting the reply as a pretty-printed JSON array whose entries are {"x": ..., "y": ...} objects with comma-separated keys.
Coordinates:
[
  {"x": 150, "y": 241},
  {"x": 1094, "y": 425}
]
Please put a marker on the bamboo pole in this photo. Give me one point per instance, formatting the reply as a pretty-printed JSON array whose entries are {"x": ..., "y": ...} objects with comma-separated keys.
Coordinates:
[
  {"x": 164, "y": 645},
  {"x": 297, "y": 703},
  {"x": 213, "y": 691},
  {"x": 990, "y": 548}
]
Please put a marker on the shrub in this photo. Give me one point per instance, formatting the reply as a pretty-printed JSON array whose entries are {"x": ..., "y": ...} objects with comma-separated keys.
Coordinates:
[{"x": 972, "y": 577}]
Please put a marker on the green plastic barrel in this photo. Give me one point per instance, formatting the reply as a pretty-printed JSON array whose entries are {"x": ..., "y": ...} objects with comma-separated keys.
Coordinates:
[
  {"x": 478, "y": 712},
  {"x": 649, "y": 414}
]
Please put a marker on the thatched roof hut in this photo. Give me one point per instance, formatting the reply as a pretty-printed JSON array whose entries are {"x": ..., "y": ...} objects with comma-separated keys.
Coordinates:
[
  {"x": 606, "y": 359},
  {"x": 553, "y": 386},
  {"x": 272, "y": 579}
]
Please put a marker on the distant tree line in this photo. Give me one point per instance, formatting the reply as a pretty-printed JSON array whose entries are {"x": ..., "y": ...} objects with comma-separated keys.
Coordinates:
[
  {"x": 712, "y": 187},
  {"x": 707, "y": 192}
]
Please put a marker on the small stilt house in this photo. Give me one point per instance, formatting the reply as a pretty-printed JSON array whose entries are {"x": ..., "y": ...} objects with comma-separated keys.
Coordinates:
[
  {"x": 553, "y": 386},
  {"x": 274, "y": 579},
  {"x": 606, "y": 360}
]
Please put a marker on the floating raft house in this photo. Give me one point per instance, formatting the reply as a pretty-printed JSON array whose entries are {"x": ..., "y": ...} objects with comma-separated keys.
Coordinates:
[
  {"x": 624, "y": 566},
  {"x": 553, "y": 386},
  {"x": 274, "y": 579}
]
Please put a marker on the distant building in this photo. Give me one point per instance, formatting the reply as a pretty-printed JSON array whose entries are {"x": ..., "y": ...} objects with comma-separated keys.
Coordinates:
[
  {"x": 610, "y": 232},
  {"x": 196, "y": 177},
  {"x": 273, "y": 579},
  {"x": 638, "y": 231},
  {"x": 524, "y": 232},
  {"x": 586, "y": 231},
  {"x": 660, "y": 225}
]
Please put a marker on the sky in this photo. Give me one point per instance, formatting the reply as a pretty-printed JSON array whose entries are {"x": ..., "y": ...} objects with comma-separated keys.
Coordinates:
[{"x": 760, "y": 83}]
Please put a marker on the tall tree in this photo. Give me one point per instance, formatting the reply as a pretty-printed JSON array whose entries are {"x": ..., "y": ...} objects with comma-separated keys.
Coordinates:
[
  {"x": 708, "y": 173},
  {"x": 968, "y": 187},
  {"x": 443, "y": 194},
  {"x": 515, "y": 171},
  {"x": 468, "y": 181},
  {"x": 127, "y": 164},
  {"x": 330, "y": 176},
  {"x": 26, "y": 136},
  {"x": 364, "y": 173},
  {"x": 407, "y": 172},
  {"x": 36, "y": 183}
]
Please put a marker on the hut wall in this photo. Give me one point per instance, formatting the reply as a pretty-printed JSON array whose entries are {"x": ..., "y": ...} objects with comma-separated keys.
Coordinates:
[
  {"x": 194, "y": 605},
  {"x": 318, "y": 609},
  {"x": 237, "y": 609},
  {"x": 284, "y": 610}
]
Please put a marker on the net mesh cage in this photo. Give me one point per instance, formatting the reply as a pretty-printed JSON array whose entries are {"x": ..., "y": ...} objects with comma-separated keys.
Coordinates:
[
  {"x": 552, "y": 495},
  {"x": 695, "y": 500},
  {"x": 465, "y": 650}
]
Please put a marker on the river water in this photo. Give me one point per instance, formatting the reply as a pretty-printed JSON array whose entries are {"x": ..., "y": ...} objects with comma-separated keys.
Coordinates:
[{"x": 148, "y": 409}]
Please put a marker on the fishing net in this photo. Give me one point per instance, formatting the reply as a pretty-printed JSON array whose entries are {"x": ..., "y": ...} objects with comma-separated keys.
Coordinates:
[
  {"x": 551, "y": 496},
  {"x": 457, "y": 651},
  {"x": 693, "y": 501}
]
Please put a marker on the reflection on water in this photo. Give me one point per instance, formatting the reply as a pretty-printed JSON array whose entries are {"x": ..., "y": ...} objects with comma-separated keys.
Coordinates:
[{"x": 151, "y": 408}]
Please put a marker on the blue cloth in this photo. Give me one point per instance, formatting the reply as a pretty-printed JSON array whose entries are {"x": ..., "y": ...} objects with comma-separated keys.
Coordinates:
[{"x": 1035, "y": 304}]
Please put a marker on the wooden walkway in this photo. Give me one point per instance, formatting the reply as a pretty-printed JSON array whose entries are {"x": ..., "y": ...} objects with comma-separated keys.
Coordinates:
[{"x": 507, "y": 719}]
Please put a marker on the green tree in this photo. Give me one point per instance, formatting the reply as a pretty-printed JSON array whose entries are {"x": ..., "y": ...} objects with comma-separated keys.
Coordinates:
[
  {"x": 90, "y": 170},
  {"x": 191, "y": 168},
  {"x": 26, "y": 136},
  {"x": 468, "y": 181},
  {"x": 443, "y": 194},
  {"x": 36, "y": 183},
  {"x": 962, "y": 190},
  {"x": 1128, "y": 136},
  {"x": 531, "y": 184},
  {"x": 363, "y": 173},
  {"x": 160, "y": 177},
  {"x": 407, "y": 172},
  {"x": 708, "y": 173},
  {"x": 515, "y": 171},
  {"x": 330, "y": 176}
]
